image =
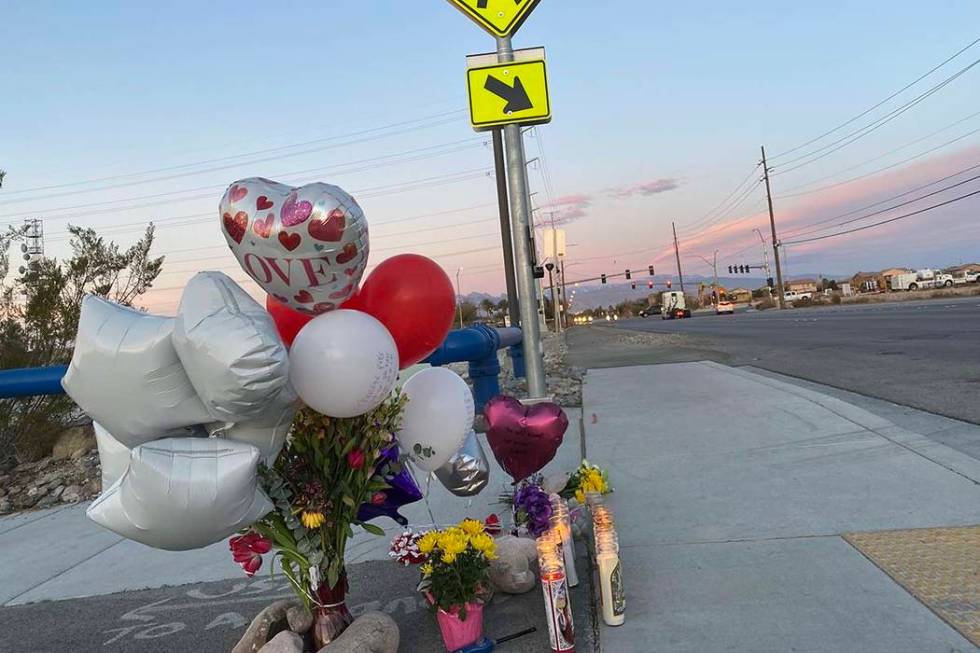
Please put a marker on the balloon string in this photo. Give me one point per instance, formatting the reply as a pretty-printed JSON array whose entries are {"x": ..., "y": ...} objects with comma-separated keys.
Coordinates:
[{"x": 425, "y": 495}]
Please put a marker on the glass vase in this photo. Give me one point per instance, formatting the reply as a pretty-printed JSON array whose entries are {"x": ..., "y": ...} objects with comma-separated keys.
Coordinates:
[{"x": 331, "y": 617}]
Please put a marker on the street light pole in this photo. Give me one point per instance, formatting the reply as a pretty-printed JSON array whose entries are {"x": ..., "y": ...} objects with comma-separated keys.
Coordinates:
[
  {"x": 765, "y": 258},
  {"x": 459, "y": 298},
  {"x": 677, "y": 252},
  {"x": 520, "y": 232}
]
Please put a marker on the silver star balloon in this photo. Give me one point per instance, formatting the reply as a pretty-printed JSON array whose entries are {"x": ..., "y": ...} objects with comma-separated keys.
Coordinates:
[{"x": 468, "y": 471}]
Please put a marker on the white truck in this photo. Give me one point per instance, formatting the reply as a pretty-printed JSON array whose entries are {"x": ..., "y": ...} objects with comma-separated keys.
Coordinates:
[
  {"x": 673, "y": 305},
  {"x": 969, "y": 276},
  {"x": 797, "y": 295},
  {"x": 921, "y": 280}
]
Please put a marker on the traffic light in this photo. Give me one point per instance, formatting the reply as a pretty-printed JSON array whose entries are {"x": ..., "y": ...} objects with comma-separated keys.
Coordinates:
[
  {"x": 651, "y": 270},
  {"x": 633, "y": 285},
  {"x": 770, "y": 282},
  {"x": 628, "y": 275},
  {"x": 730, "y": 270},
  {"x": 650, "y": 285},
  {"x": 669, "y": 283},
  {"x": 741, "y": 269},
  {"x": 603, "y": 277}
]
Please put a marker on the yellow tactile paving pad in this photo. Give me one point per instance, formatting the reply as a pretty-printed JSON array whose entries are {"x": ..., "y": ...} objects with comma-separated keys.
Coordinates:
[{"x": 938, "y": 566}]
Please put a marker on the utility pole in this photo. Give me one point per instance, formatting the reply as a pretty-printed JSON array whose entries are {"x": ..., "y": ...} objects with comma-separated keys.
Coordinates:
[
  {"x": 561, "y": 290},
  {"x": 677, "y": 252},
  {"x": 775, "y": 240},
  {"x": 459, "y": 299},
  {"x": 500, "y": 169},
  {"x": 520, "y": 217}
]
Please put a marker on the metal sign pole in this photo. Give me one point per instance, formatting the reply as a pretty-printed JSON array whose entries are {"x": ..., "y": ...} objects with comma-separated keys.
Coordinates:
[{"x": 519, "y": 210}]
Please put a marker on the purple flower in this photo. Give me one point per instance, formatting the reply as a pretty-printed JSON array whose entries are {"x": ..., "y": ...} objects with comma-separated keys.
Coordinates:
[{"x": 534, "y": 502}]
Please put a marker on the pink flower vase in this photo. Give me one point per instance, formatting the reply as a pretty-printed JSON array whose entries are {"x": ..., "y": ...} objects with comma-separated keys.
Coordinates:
[{"x": 457, "y": 633}]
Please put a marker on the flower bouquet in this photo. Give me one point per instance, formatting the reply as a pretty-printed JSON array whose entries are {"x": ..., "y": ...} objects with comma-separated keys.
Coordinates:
[
  {"x": 317, "y": 484},
  {"x": 455, "y": 576},
  {"x": 585, "y": 479},
  {"x": 531, "y": 507}
]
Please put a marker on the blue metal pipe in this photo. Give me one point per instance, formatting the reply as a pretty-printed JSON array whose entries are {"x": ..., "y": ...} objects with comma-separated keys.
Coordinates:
[
  {"x": 32, "y": 381},
  {"x": 478, "y": 346}
]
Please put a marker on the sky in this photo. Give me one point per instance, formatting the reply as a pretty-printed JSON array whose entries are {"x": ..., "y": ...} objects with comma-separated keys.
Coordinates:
[{"x": 114, "y": 114}]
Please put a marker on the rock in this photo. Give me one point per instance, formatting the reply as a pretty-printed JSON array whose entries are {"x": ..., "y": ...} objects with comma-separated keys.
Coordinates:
[
  {"x": 73, "y": 440},
  {"x": 299, "y": 619},
  {"x": 284, "y": 642},
  {"x": 3, "y": 493},
  {"x": 270, "y": 622},
  {"x": 46, "y": 502},
  {"x": 36, "y": 492},
  {"x": 72, "y": 494},
  {"x": 78, "y": 453},
  {"x": 5, "y": 505},
  {"x": 514, "y": 570},
  {"x": 373, "y": 632},
  {"x": 56, "y": 493}
]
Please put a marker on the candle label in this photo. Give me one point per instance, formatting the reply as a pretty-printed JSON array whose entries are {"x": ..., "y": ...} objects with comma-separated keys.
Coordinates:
[
  {"x": 618, "y": 592},
  {"x": 560, "y": 627}
]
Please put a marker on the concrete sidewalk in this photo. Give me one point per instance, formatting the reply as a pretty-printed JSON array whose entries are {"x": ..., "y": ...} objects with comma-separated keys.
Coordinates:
[
  {"x": 732, "y": 492},
  {"x": 61, "y": 554}
]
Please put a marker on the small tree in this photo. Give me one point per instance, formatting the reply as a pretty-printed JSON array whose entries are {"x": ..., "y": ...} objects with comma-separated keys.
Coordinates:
[
  {"x": 488, "y": 307},
  {"x": 469, "y": 311},
  {"x": 39, "y": 317}
]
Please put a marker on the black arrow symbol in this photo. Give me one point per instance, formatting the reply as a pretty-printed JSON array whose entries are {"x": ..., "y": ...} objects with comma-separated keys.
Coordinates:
[
  {"x": 482, "y": 4},
  {"x": 516, "y": 96}
]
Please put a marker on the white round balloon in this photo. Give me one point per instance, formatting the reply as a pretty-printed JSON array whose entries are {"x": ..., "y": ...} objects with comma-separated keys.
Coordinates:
[
  {"x": 437, "y": 418},
  {"x": 343, "y": 363}
]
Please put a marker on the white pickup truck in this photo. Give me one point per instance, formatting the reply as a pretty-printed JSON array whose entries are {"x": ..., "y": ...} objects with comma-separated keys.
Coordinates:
[
  {"x": 796, "y": 295},
  {"x": 967, "y": 277}
]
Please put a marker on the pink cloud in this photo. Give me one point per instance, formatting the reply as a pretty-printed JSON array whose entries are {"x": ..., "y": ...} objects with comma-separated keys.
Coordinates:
[
  {"x": 566, "y": 209},
  {"x": 652, "y": 187}
]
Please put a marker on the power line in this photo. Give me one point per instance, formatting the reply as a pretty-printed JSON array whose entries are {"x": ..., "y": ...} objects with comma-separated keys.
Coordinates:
[
  {"x": 348, "y": 167},
  {"x": 130, "y": 175},
  {"x": 874, "y": 172},
  {"x": 696, "y": 223},
  {"x": 878, "y": 224},
  {"x": 893, "y": 151},
  {"x": 890, "y": 208},
  {"x": 364, "y": 193},
  {"x": 794, "y": 231},
  {"x": 867, "y": 129},
  {"x": 869, "y": 110}
]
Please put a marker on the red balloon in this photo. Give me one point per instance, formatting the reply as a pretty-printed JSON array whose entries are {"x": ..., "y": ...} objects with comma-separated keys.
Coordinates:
[
  {"x": 288, "y": 320},
  {"x": 414, "y": 299}
]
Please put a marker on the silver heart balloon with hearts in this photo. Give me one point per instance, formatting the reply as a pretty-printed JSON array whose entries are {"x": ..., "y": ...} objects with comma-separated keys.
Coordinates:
[{"x": 307, "y": 246}]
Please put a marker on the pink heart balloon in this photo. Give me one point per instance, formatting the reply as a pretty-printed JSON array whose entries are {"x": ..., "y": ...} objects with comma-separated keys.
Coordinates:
[{"x": 524, "y": 438}]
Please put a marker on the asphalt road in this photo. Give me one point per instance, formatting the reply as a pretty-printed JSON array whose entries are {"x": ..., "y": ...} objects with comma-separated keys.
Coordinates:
[{"x": 924, "y": 354}]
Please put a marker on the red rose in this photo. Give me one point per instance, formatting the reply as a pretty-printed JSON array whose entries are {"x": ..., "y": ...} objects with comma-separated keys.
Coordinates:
[
  {"x": 247, "y": 550},
  {"x": 378, "y": 498},
  {"x": 355, "y": 459}
]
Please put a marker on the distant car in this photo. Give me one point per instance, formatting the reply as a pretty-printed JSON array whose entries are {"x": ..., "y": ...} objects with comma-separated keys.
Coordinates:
[
  {"x": 724, "y": 306},
  {"x": 650, "y": 310}
]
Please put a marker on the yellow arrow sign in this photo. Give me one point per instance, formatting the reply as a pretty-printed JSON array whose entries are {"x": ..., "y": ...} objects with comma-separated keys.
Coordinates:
[
  {"x": 499, "y": 17},
  {"x": 508, "y": 93}
]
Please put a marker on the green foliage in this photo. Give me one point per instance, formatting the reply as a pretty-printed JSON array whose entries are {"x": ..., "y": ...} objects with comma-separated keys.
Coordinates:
[
  {"x": 317, "y": 484},
  {"x": 39, "y": 317}
]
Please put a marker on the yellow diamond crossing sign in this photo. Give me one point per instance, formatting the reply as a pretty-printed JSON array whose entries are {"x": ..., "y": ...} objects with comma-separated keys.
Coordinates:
[
  {"x": 508, "y": 93},
  {"x": 499, "y": 17}
]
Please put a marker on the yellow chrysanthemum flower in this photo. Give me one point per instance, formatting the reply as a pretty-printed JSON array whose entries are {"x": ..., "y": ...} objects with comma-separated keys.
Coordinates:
[
  {"x": 428, "y": 542},
  {"x": 449, "y": 558},
  {"x": 312, "y": 519},
  {"x": 485, "y": 544},
  {"x": 471, "y": 526},
  {"x": 426, "y": 569},
  {"x": 452, "y": 543}
]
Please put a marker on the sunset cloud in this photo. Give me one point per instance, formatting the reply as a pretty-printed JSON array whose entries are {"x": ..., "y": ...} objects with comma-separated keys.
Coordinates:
[
  {"x": 653, "y": 187},
  {"x": 567, "y": 209}
]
